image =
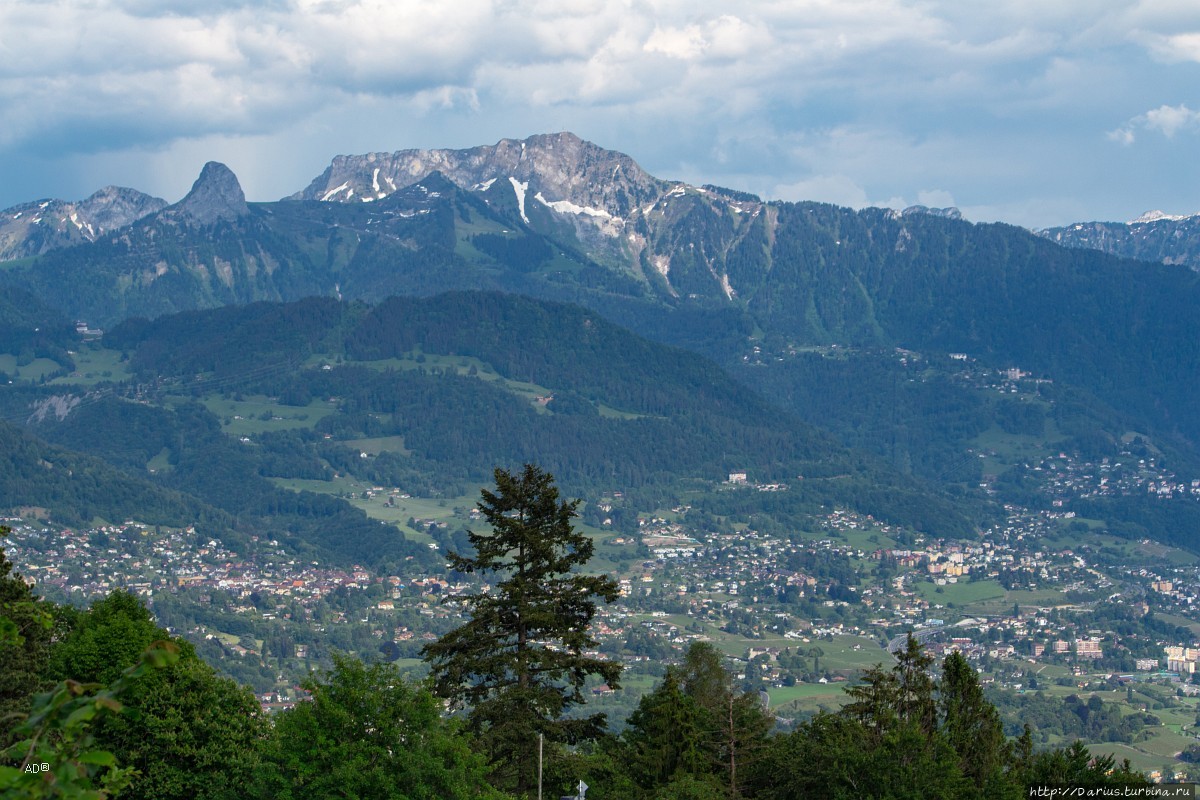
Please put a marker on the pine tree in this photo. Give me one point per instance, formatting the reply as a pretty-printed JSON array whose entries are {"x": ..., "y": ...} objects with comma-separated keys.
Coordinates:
[
  {"x": 971, "y": 724},
  {"x": 518, "y": 663},
  {"x": 666, "y": 736},
  {"x": 915, "y": 702}
]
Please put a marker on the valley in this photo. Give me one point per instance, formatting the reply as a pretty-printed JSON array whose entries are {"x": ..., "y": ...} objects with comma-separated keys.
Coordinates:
[
  {"x": 1041, "y": 603},
  {"x": 796, "y": 431}
]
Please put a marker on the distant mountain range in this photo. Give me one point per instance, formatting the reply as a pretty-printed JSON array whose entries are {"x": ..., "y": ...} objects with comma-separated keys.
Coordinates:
[
  {"x": 781, "y": 294},
  {"x": 34, "y": 228},
  {"x": 1154, "y": 236}
]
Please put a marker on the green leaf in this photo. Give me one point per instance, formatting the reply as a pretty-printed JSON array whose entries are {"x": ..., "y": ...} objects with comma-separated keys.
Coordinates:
[
  {"x": 80, "y": 715},
  {"x": 99, "y": 758}
]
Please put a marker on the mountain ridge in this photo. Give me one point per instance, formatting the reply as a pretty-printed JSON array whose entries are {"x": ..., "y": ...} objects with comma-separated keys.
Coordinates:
[
  {"x": 1154, "y": 236},
  {"x": 32, "y": 228}
]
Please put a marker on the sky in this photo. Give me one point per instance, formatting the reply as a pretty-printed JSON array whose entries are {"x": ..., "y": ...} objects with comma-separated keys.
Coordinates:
[{"x": 1033, "y": 113}]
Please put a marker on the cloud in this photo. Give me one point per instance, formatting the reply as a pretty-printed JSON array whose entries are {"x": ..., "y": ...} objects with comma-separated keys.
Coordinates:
[
  {"x": 1167, "y": 120},
  {"x": 848, "y": 99},
  {"x": 1172, "y": 119},
  {"x": 189, "y": 68},
  {"x": 1174, "y": 47},
  {"x": 837, "y": 189},
  {"x": 935, "y": 198}
]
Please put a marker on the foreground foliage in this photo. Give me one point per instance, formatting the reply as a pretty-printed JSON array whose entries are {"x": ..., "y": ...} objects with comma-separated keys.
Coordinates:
[
  {"x": 368, "y": 733},
  {"x": 518, "y": 663}
]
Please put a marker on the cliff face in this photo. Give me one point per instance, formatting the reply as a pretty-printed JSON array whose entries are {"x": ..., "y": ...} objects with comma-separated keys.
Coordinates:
[
  {"x": 582, "y": 196},
  {"x": 215, "y": 196}
]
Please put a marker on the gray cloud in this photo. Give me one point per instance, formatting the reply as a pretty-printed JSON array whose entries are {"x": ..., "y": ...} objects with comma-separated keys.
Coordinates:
[{"x": 860, "y": 101}]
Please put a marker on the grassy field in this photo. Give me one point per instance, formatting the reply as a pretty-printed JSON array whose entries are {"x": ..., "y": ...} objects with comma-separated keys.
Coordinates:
[
  {"x": 1138, "y": 759},
  {"x": 397, "y": 510},
  {"x": 867, "y": 540},
  {"x": 468, "y": 366},
  {"x": 382, "y": 444},
  {"x": 259, "y": 414},
  {"x": 377, "y": 507},
  {"x": 1126, "y": 551},
  {"x": 1157, "y": 746},
  {"x": 1175, "y": 619},
  {"x": 94, "y": 364},
  {"x": 1040, "y": 598},
  {"x": 831, "y": 693},
  {"x": 33, "y": 371},
  {"x": 961, "y": 594},
  {"x": 1010, "y": 448},
  {"x": 161, "y": 462}
]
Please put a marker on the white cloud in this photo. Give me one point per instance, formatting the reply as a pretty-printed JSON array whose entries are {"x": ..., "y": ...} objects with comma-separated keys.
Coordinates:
[
  {"x": 935, "y": 198},
  {"x": 837, "y": 189},
  {"x": 1172, "y": 119},
  {"x": 682, "y": 43},
  {"x": 1167, "y": 120},
  {"x": 1174, "y": 47},
  {"x": 1122, "y": 136}
]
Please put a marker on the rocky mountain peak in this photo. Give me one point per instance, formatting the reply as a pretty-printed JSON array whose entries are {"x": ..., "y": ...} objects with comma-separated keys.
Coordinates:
[
  {"x": 561, "y": 166},
  {"x": 37, "y": 227},
  {"x": 215, "y": 196},
  {"x": 116, "y": 206},
  {"x": 1157, "y": 216}
]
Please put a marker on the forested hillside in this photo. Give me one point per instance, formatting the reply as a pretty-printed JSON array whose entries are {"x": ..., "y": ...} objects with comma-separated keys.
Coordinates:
[{"x": 444, "y": 386}]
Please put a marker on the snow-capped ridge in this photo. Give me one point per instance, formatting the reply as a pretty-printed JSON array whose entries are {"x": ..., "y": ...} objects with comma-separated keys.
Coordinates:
[
  {"x": 62, "y": 223},
  {"x": 1156, "y": 216}
]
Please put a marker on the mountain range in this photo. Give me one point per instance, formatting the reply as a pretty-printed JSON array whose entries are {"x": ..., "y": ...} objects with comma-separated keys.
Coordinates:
[
  {"x": 1154, "y": 236},
  {"x": 30, "y": 229},
  {"x": 783, "y": 296}
]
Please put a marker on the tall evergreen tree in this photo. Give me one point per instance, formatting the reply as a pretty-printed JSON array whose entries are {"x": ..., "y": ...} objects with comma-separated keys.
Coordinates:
[
  {"x": 518, "y": 662},
  {"x": 738, "y": 725},
  {"x": 696, "y": 725},
  {"x": 666, "y": 736},
  {"x": 915, "y": 703},
  {"x": 971, "y": 724}
]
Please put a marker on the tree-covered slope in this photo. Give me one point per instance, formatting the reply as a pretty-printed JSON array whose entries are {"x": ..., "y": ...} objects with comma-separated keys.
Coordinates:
[
  {"x": 76, "y": 488},
  {"x": 467, "y": 380}
]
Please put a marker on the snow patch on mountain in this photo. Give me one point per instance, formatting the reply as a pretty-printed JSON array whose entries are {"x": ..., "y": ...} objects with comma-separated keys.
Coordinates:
[
  {"x": 567, "y": 207},
  {"x": 520, "y": 189},
  {"x": 335, "y": 191}
]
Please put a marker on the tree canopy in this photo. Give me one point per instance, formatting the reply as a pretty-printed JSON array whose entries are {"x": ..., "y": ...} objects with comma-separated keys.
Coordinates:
[
  {"x": 367, "y": 733},
  {"x": 518, "y": 663}
]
